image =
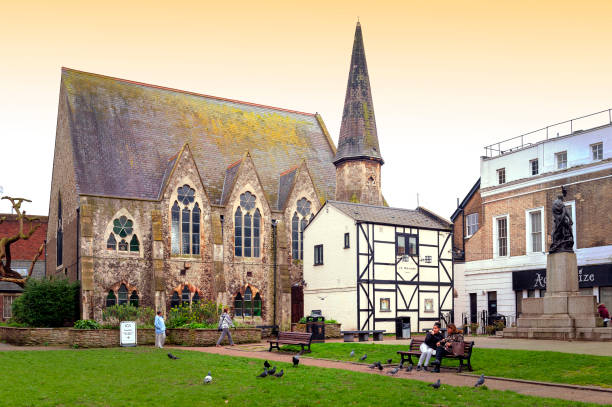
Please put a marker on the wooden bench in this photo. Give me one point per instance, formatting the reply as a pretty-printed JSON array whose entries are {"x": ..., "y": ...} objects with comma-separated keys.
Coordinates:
[
  {"x": 349, "y": 336},
  {"x": 291, "y": 338},
  {"x": 414, "y": 350}
]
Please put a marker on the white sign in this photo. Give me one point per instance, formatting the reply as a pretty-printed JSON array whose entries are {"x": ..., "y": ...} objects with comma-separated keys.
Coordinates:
[{"x": 127, "y": 333}]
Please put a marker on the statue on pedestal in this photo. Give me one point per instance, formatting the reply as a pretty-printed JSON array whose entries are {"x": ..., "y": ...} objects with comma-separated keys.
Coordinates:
[{"x": 562, "y": 236}]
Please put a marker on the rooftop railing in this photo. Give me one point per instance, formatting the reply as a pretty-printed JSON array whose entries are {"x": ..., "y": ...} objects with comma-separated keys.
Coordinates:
[{"x": 577, "y": 125}]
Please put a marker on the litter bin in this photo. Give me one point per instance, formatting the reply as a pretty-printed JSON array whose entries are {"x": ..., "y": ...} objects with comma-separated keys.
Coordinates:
[
  {"x": 402, "y": 328},
  {"x": 316, "y": 326}
]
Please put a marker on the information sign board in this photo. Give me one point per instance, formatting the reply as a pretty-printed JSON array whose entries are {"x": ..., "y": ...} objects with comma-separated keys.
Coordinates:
[{"x": 127, "y": 333}]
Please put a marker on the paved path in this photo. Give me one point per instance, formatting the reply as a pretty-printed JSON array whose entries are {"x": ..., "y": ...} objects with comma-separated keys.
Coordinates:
[{"x": 449, "y": 378}]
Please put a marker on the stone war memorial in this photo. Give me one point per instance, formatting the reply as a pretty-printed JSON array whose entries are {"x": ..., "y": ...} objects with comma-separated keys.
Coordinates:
[{"x": 563, "y": 313}]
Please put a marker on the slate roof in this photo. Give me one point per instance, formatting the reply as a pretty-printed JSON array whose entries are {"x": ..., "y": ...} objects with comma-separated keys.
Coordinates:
[
  {"x": 228, "y": 183},
  {"x": 124, "y": 134},
  {"x": 419, "y": 217},
  {"x": 358, "y": 135},
  {"x": 9, "y": 287},
  {"x": 285, "y": 185}
]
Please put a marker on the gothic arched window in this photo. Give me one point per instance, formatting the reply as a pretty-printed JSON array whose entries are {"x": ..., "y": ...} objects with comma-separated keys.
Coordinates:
[
  {"x": 123, "y": 294},
  {"x": 175, "y": 301},
  {"x": 247, "y": 305},
  {"x": 247, "y": 227},
  {"x": 185, "y": 296},
  {"x": 123, "y": 228},
  {"x": 59, "y": 234},
  {"x": 298, "y": 223},
  {"x": 185, "y": 222},
  {"x": 111, "y": 299},
  {"x": 134, "y": 299},
  {"x": 196, "y": 298}
]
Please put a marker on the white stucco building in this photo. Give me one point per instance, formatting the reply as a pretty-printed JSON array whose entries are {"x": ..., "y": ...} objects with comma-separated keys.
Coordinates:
[{"x": 366, "y": 265}]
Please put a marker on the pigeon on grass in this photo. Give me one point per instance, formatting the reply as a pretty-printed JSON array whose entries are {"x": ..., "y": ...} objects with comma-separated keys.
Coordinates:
[
  {"x": 208, "y": 378},
  {"x": 267, "y": 364},
  {"x": 296, "y": 361},
  {"x": 480, "y": 381},
  {"x": 352, "y": 353},
  {"x": 394, "y": 370},
  {"x": 379, "y": 366},
  {"x": 279, "y": 374},
  {"x": 264, "y": 373},
  {"x": 435, "y": 385},
  {"x": 389, "y": 361},
  {"x": 409, "y": 368},
  {"x": 272, "y": 371},
  {"x": 364, "y": 357},
  {"x": 372, "y": 366},
  {"x": 171, "y": 356}
]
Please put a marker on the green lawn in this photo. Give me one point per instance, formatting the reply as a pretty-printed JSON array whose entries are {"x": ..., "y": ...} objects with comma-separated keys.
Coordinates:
[
  {"x": 519, "y": 364},
  {"x": 146, "y": 377}
]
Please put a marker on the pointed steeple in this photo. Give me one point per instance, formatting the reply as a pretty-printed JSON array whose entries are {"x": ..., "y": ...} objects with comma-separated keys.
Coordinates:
[{"x": 358, "y": 136}]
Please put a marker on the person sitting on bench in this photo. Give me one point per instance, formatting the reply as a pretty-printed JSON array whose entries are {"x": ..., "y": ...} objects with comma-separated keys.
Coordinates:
[
  {"x": 444, "y": 347},
  {"x": 428, "y": 347}
]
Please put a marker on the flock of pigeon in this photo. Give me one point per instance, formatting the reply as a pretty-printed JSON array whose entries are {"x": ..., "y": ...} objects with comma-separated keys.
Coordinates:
[
  {"x": 378, "y": 365},
  {"x": 296, "y": 361}
]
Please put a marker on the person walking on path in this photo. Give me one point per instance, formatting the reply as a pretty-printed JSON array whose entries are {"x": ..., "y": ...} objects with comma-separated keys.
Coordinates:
[
  {"x": 225, "y": 322},
  {"x": 603, "y": 312},
  {"x": 160, "y": 330},
  {"x": 428, "y": 347},
  {"x": 445, "y": 346}
]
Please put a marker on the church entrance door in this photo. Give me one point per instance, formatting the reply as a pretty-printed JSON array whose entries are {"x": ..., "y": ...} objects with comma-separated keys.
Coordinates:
[{"x": 297, "y": 303}]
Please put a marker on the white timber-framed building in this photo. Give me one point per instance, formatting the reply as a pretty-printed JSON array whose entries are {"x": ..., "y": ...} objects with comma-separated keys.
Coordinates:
[{"x": 366, "y": 265}]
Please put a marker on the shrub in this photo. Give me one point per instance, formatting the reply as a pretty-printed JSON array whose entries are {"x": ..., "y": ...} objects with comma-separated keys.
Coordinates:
[
  {"x": 302, "y": 320},
  {"x": 87, "y": 324},
  {"x": 126, "y": 312},
  {"x": 499, "y": 325},
  {"x": 474, "y": 328},
  {"x": 206, "y": 313},
  {"x": 331, "y": 321},
  {"x": 490, "y": 329},
  {"x": 47, "y": 303}
]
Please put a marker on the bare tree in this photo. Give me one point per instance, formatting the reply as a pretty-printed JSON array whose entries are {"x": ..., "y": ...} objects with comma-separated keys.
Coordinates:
[{"x": 32, "y": 224}]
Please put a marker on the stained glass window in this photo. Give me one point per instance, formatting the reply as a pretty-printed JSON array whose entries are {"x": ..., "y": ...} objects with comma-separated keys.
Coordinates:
[
  {"x": 123, "y": 226},
  {"x": 247, "y": 235},
  {"x": 123, "y": 245},
  {"x": 175, "y": 301},
  {"x": 295, "y": 239},
  {"x": 303, "y": 224},
  {"x": 111, "y": 299},
  {"x": 195, "y": 229},
  {"x": 303, "y": 207},
  {"x": 134, "y": 299},
  {"x": 247, "y": 201},
  {"x": 123, "y": 294},
  {"x": 298, "y": 223},
  {"x": 238, "y": 232},
  {"x": 256, "y": 229},
  {"x": 185, "y": 231},
  {"x": 186, "y": 194},
  {"x": 257, "y": 305},
  {"x": 176, "y": 215},
  {"x": 248, "y": 303},
  {"x": 134, "y": 244},
  {"x": 111, "y": 243}
]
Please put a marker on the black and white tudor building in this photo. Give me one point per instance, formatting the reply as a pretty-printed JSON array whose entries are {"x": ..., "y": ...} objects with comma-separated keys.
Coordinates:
[{"x": 367, "y": 265}]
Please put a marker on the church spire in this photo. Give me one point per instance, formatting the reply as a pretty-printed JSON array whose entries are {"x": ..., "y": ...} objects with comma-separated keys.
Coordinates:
[{"x": 358, "y": 137}]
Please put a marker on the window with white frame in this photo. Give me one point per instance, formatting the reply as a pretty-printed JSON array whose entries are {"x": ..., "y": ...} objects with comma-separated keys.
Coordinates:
[
  {"x": 500, "y": 242},
  {"x": 534, "y": 167},
  {"x": 535, "y": 235},
  {"x": 501, "y": 176},
  {"x": 597, "y": 151},
  {"x": 471, "y": 222},
  {"x": 561, "y": 160}
]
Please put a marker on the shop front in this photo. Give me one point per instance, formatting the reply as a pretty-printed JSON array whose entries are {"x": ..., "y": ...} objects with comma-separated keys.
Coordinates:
[{"x": 592, "y": 280}]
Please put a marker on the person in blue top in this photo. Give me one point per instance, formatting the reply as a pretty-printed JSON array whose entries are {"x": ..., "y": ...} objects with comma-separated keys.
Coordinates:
[{"x": 160, "y": 330}]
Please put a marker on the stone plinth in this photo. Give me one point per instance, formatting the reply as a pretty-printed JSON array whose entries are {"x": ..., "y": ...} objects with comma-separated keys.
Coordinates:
[{"x": 562, "y": 313}]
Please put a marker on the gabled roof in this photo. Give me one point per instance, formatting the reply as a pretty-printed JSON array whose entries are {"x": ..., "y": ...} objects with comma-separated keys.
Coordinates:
[
  {"x": 465, "y": 201},
  {"x": 285, "y": 186},
  {"x": 391, "y": 216},
  {"x": 228, "y": 183},
  {"x": 358, "y": 135},
  {"x": 124, "y": 135}
]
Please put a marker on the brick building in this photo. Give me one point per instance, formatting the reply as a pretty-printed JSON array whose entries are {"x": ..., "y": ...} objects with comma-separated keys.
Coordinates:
[
  {"x": 502, "y": 228},
  {"x": 22, "y": 254},
  {"x": 161, "y": 196}
]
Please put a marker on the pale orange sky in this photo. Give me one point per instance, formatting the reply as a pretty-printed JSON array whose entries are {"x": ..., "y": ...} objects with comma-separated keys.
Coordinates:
[{"x": 448, "y": 77}]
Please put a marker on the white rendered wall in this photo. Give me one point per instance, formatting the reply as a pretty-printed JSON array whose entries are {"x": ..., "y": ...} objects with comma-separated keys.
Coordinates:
[
  {"x": 462, "y": 301},
  {"x": 331, "y": 287},
  {"x": 578, "y": 147}
]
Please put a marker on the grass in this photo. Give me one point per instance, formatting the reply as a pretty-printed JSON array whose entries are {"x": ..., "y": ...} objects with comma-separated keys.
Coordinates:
[
  {"x": 145, "y": 376},
  {"x": 544, "y": 366}
]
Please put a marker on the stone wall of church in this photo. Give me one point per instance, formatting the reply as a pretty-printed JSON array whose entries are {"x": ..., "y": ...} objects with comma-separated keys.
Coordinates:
[{"x": 358, "y": 181}]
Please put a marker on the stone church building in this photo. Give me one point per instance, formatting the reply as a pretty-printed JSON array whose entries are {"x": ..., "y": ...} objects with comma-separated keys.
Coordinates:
[{"x": 161, "y": 196}]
